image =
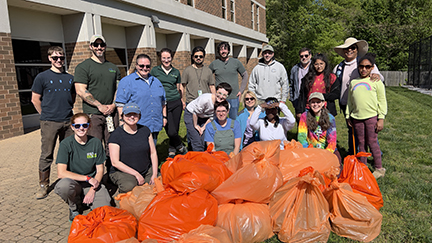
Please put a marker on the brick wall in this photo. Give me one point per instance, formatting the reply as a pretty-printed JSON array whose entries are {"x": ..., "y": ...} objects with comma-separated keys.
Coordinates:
[
  {"x": 10, "y": 109},
  {"x": 181, "y": 60},
  {"x": 134, "y": 52},
  {"x": 213, "y": 7},
  {"x": 243, "y": 13},
  {"x": 262, "y": 21}
]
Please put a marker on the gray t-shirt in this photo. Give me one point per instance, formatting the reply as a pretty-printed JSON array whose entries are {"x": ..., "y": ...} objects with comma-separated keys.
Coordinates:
[
  {"x": 228, "y": 72},
  {"x": 198, "y": 81}
]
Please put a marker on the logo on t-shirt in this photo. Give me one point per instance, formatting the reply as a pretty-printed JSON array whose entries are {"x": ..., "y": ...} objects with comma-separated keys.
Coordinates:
[
  {"x": 111, "y": 70},
  {"x": 91, "y": 155}
]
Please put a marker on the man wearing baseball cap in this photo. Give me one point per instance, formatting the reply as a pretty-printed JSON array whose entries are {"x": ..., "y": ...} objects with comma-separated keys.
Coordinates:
[
  {"x": 96, "y": 83},
  {"x": 269, "y": 78}
]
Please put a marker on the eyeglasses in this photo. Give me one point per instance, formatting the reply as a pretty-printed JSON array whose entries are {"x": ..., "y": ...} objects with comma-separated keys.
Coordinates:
[
  {"x": 224, "y": 111},
  {"x": 55, "y": 58},
  {"x": 84, "y": 125},
  {"x": 199, "y": 56},
  {"x": 304, "y": 56},
  {"x": 223, "y": 95},
  {"x": 101, "y": 44},
  {"x": 143, "y": 66},
  {"x": 365, "y": 66},
  {"x": 249, "y": 99},
  {"x": 353, "y": 47}
]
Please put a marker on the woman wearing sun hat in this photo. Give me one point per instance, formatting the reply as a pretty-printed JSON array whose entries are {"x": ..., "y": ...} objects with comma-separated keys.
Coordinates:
[{"x": 351, "y": 50}]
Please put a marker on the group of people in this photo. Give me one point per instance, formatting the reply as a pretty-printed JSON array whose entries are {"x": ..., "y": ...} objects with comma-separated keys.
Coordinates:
[{"x": 122, "y": 117}]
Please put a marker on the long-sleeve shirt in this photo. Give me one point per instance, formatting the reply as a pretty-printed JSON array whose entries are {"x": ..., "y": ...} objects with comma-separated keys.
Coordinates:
[
  {"x": 270, "y": 132},
  {"x": 366, "y": 99},
  {"x": 318, "y": 138}
]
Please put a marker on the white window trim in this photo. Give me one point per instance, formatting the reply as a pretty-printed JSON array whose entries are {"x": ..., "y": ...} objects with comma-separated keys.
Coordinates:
[{"x": 232, "y": 11}]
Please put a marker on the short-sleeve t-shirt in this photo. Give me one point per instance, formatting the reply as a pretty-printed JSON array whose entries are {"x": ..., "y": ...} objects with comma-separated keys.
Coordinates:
[
  {"x": 169, "y": 81},
  {"x": 81, "y": 159},
  {"x": 228, "y": 72},
  {"x": 56, "y": 90},
  {"x": 197, "y": 80},
  {"x": 101, "y": 80},
  {"x": 134, "y": 148},
  {"x": 210, "y": 132}
]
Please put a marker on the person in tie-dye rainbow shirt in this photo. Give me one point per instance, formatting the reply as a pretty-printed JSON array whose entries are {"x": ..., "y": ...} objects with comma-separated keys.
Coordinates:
[{"x": 317, "y": 127}]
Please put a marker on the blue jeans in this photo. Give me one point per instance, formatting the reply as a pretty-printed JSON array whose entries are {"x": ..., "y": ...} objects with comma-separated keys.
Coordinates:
[{"x": 234, "y": 107}]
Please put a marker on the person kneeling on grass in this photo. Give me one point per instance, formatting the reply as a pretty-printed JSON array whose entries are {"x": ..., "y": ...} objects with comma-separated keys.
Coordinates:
[
  {"x": 366, "y": 110},
  {"x": 80, "y": 167},
  {"x": 317, "y": 127},
  {"x": 132, "y": 151},
  {"x": 224, "y": 133}
]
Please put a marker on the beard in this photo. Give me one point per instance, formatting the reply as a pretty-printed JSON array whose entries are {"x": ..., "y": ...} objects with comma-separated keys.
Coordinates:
[{"x": 95, "y": 52}]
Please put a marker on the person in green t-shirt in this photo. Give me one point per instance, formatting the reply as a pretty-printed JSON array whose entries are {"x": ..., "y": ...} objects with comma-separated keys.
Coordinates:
[{"x": 80, "y": 167}]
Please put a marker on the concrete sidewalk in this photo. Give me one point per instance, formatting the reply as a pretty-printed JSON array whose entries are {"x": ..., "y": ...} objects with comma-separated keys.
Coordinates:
[{"x": 22, "y": 217}]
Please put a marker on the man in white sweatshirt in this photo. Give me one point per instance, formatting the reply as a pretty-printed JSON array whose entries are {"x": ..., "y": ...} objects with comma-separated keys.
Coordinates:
[{"x": 269, "y": 78}]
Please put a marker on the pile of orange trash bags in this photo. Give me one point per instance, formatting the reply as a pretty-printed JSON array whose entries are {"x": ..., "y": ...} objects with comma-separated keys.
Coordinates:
[{"x": 262, "y": 191}]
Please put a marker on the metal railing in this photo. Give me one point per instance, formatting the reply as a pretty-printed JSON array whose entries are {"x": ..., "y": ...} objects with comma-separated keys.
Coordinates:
[{"x": 420, "y": 63}]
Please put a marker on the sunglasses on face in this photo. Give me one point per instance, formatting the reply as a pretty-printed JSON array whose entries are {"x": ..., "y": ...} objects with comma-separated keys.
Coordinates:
[
  {"x": 249, "y": 99},
  {"x": 102, "y": 44},
  {"x": 55, "y": 58},
  {"x": 365, "y": 66},
  {"x": 143, "y": 66},
  {"x": 304, "y": 56},
  {"x": 353, "y": 47},
  {"x": 199, "y": 56},
  {"x": 84, "y": 125}
]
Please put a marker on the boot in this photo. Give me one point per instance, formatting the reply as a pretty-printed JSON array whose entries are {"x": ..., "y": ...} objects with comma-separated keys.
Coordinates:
[{"x": 43, "y": 184}]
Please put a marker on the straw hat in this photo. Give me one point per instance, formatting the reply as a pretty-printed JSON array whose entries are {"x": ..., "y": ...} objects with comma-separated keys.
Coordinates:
[{"x": 361, "y": 44}]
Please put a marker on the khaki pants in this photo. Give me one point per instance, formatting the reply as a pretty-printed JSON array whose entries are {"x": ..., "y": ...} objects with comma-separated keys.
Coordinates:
[{"x": 50, "y": 131}]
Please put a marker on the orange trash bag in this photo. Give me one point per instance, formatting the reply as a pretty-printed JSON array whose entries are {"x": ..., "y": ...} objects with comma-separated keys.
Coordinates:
[
  {"x": 172, "y": 214},
  {"x": 137, "y": 200},
  {"x": 206, "y": 234},
  {"x": 130, "y": 240},
  {"x": 104, "y": 224},
  {"x": 268, "y": 150},
  {"x": 246, "y": 222},
  {"x": 299, "y": 210},
  {"x": 295, "y": 158},
  {"x": 351, "y": 215},
  {"x": 255, "y": 182},
  {"x": 361, "y": 180},
  {"x": 195, "y": 170}
]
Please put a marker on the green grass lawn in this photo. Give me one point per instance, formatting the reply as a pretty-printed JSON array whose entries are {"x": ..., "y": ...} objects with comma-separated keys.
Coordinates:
[{"x": 407, "y": 186}]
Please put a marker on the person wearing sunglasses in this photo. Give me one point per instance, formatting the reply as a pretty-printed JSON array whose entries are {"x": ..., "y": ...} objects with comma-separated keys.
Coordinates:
[
  {"x": 133, "y": 152},
  {"x": 226, "y": 70},
  {"x": 365, "y": 111},
  {"x": 80, "y": 167},
  {"x": 147, "y": 92},
  {"x": 170, "y": 79},
  {"x": 269, "y": 77},
  {"x": 250, "y": 102},
  {"x": 297, "y": 73},
  {"x": 197, "y": 79},
  {"x": 351, "y": 50},
  {"x": 223, "y": 132},
  {"x": 96, "y": 83},
  {"x": 272, "y": 126},
  {"x": 200, "y": 112},
  {"x": 53, "y": 96}
]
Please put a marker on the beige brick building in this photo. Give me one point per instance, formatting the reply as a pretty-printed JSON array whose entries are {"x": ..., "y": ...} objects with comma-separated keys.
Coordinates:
[{"x": 130, "y": 27}]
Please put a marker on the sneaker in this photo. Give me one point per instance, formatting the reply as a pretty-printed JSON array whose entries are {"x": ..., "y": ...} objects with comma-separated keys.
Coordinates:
[
  {"x": 183, "y": 150},
  {"x": 42, "y": 192},
  {"x": 72, "y": 214},
  {"x": 379, "y": 173},
  {"x": 171, "y": 154}
]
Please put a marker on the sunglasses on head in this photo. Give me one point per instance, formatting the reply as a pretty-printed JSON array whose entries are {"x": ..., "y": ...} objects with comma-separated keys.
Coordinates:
[
  {"x": 365, "y": 66},
  {"x": 143, "y": 66},
  {"x": 249, "y": 99},
  {"x": 304, "y": 56},
  {"x": 271, "y": 102},
  {"x": 102, "y": 44},
  {"x": 199, "y": 56},
  {"x": 55, "y": 58},
  {"x": 84, "y": 125}
]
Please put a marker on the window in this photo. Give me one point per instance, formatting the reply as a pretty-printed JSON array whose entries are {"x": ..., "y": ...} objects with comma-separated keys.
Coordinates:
[
  {"x": 190, "y": 2},
  {"x": 252, "y": 16},
  {"x": 257, "y": 18},
  {"x": 118, "y": 57},
  {"x": 232, "y": 10},
  {"x": 224, "y": 9},
  {"x": 31, "y": 58}
]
